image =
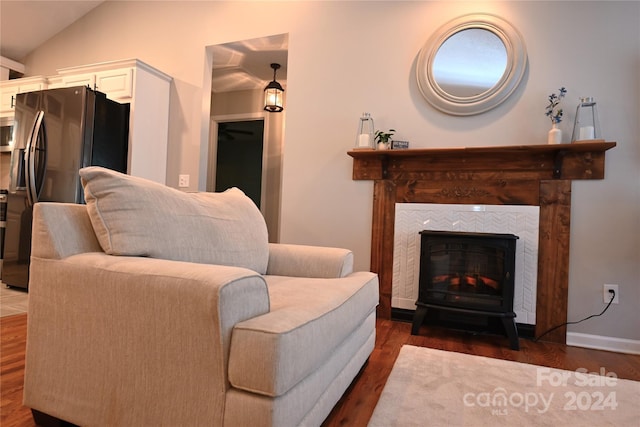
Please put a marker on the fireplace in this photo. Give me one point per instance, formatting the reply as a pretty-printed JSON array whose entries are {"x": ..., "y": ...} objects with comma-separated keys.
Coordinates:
[
  {"x": 532, "y": 175},
  {"x": 468, "y": 273}
]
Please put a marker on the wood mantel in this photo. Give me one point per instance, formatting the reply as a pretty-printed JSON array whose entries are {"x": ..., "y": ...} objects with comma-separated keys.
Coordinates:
[{"x": 536, "y": 175}]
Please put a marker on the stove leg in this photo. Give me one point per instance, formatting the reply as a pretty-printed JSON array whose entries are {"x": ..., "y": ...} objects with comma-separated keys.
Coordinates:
[
  {"x": 418, "y": 318},
  {"x": 509, "y": 324}
]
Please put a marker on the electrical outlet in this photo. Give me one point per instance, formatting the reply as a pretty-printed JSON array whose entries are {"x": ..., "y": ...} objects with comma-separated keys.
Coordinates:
[
  {"x": 606, "y": 295},
  {"x": 183, "y": 181}
]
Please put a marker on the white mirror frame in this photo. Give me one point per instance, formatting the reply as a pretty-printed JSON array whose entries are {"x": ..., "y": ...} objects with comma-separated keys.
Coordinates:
[{"x": 465, "y": 106}]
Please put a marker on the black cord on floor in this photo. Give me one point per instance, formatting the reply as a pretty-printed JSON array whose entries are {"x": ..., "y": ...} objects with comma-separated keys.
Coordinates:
[{"x": 613, "y": 295}]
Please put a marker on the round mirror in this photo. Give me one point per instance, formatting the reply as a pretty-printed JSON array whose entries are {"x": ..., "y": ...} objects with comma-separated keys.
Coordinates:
[{"x": 471, "y": 64}]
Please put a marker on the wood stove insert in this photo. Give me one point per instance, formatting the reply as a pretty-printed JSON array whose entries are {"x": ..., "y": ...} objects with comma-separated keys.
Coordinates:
[{"x": 470, "y": 273}]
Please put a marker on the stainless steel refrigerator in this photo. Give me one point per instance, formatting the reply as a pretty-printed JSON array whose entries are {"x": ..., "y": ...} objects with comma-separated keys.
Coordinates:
[{"x": 58, "y": 132}]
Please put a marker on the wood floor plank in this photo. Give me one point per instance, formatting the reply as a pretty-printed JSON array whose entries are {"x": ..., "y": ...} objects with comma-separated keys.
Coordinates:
[
  {"x": 13, "y": 330},
  {"x": 357, "y": 404}
]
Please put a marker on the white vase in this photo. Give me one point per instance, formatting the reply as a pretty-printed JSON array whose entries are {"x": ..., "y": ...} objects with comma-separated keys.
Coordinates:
[
  {"x": 555, "y": 135},
  {"x": 383, "y": 145}
]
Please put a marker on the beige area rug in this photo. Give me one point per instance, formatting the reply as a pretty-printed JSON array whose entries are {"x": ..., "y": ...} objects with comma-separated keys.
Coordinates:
[{"x": 429, "y": 387}]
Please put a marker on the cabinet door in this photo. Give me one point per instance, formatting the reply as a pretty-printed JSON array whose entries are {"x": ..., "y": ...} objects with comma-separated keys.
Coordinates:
[
  {"x": 55, "y": 82},
  {"x": 8, "y": 99},
  {"x": 9, "y": 91},
  {"x": 79, "y": 80},
  {"x": 117, "y": 84},
  {"x": 31, "y": 87}
]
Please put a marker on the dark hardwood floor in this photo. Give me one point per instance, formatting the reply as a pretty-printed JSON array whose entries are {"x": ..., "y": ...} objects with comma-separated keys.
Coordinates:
[
  {"x": 356, "y": 406},
  {"x": 13, "y": 330}
]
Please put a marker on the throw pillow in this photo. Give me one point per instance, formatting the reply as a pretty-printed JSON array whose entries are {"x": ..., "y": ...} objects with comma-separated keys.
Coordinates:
[{"x": 137, "y": 217}]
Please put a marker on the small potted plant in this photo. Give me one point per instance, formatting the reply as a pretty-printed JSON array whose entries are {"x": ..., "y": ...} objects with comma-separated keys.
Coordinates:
[{"x": 383, "y": 138}]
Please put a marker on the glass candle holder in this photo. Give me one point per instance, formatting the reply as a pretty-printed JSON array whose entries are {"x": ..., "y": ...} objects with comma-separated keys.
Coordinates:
[
  {"x": 364, "y": 137},
  {"x": 586, "y": 125}
]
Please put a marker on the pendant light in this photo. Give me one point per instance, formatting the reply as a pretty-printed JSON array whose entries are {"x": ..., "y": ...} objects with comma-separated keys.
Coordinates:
[{"x": 273, "y": 94}]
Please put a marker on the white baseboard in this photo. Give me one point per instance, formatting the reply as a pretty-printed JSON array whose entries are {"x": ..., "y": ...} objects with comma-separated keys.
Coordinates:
[{"x": 599, "y": 342}]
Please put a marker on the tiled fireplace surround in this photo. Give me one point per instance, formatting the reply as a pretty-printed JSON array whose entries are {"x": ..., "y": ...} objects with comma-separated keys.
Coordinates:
[
  {"x": 528, "y": 175},
  {"x": 411, "y": 218}
]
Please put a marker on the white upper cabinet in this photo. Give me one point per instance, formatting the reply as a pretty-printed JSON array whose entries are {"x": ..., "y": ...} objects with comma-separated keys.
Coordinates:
[
  {"x": 132, "y": 82},
  {"x": 10, "y": 88},
  {"x": 116, "y": 84},
  {"x": 79, "y": 80}
]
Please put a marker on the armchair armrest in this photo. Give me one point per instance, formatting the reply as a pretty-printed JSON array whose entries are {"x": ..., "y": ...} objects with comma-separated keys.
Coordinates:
[
  {"x": 105, "y": 331},
  {"x": 309, "y": 261},
  {"x": 61, "y": 230}
]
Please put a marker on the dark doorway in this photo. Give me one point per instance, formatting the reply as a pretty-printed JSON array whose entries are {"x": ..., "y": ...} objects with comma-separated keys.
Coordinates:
[{"x": 239, "y": 157}]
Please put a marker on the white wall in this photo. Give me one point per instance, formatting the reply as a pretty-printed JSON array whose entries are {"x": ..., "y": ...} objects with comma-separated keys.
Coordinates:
[{"x": 350, "y": 57}]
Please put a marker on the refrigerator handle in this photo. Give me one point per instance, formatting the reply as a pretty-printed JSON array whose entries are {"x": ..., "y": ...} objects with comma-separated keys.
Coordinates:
[
  {"x": 25, "y": 160},
  {"x": 30, "y": 159}
]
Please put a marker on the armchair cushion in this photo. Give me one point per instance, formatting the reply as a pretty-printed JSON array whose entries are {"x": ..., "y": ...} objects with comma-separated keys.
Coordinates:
[
  {"x": 208, "y": 228},
  {"x": 308, "y": 320}
]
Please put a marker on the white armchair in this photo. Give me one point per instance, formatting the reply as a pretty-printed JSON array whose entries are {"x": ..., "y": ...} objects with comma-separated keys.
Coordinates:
[{"x": 266, "y": 335}]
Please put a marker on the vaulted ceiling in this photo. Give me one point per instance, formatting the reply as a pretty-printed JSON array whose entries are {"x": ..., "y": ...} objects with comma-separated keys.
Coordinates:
[
  {"x": 25, "y": 25},
  {"x": 241, "y": 65}
]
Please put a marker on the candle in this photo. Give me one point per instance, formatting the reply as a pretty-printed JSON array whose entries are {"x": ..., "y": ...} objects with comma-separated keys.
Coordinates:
[
  {"x": 587, "y": 132},
  {"x": 364, "y": 140}
]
